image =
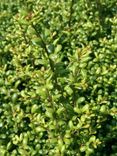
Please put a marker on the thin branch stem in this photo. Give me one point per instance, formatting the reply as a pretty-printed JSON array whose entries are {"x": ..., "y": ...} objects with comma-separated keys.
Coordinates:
[
  {"x": 47, "y": 53},
  {"x": 71, "y": 12},
  {"x": 44, "y": 46},
  {"x": 24, "y": 34},
  {"x": 70, "y": 21}
]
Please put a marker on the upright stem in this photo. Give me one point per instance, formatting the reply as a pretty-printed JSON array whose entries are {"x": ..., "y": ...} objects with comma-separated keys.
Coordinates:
[
  {"x": 70, "y": 21},
  {"x": 47, "y": 53},
  {"x": 71, "y": 11},
  {"x": 24, "y": 34},
  {"x": 44, "y": 46},
  {"x": 101, "y": 16}
]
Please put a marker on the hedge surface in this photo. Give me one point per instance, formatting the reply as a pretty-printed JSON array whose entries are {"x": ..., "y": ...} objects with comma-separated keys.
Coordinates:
[{"x": 58, "y": 78}]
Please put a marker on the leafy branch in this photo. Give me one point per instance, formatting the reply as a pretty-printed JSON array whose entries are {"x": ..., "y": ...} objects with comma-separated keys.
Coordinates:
[
  {"x": 44, "y": 46},
  {"x": 71, "y": 12},
  {"x": 24, "y": 34},
  {"x": 47, "y": 53}
]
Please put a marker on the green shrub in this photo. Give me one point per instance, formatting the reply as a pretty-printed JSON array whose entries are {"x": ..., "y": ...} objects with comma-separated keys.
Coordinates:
[{"x": 58, "y": 78}]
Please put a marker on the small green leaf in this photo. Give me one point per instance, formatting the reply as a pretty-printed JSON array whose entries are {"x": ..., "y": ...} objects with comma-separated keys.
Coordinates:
[
  {"x": 80, "y": 100},
  {"x": 49, "y": 112},
  {"x": 58, "y": 48},
  {"x": 36, "y": 41},
  {"x": 68, "y": 89},
  {"x": 82, "y": 148},
  {"x": 51, "y": 48},
  {"x": 103, "y": 109},
  {"x": 92, "y": 138},
  {"x": 14, "y": 97},
  {"x": 71, "y": 124},
  {"x": 34, "y": 108},
  {"x": 85, "y": 108},
  {"x": 77, "y": 110}
]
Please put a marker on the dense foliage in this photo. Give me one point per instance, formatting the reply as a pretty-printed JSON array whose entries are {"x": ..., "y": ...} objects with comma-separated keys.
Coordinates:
[{"x": 58, "y": 78}]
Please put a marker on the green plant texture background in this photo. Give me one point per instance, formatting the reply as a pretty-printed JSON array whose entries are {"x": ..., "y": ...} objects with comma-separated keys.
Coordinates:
[{"x": 58, "y": 78}]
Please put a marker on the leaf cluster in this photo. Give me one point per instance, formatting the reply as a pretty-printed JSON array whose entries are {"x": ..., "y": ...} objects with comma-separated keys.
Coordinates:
[{"x": 58, "y": 78}]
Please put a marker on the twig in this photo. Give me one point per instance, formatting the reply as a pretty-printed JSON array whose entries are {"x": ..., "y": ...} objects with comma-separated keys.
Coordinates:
[
  {"x": 44, "y": 46},
  {"x": 26, "y": 41},
  {"x": 71, "y": 12},
  {"x": 47, "y": 53},
  {"x": 70, "y": 21}
]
